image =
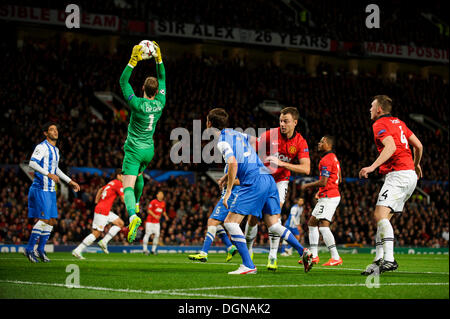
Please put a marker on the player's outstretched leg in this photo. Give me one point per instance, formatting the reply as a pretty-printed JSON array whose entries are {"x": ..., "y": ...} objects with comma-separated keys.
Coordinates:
[
  {"x": 231, "y": 249},
  {"x": 304, "y": 253},
  {"x": 77, "y": 252},
  {"x": 237, "y": 236},
  {"x": 209, "y": 238},
  {"x": 111, "y": 233}
]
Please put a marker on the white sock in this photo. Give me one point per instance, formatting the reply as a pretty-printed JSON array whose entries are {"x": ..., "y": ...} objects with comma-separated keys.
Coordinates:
[
  {"x": 112, "y": 232},
  {"x": 132, "y": 217},
  {"x": 379, "y": 245},
  {"x": 313, "y": 235},
  {"x": 250, "y": 236},
  {"x": 86, "y": 243},
  {"x": 387, "y": 235},
  {"x": 145, "y": 241},
  {"x": 328, "y": 238},
  {"x": 274, "y": 240},
  {"x": 211, "y": 232},
  {"x": 155, "y": 242}
]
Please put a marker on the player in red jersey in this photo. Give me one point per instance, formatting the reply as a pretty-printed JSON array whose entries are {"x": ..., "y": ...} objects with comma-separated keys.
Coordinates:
[
  {"x": 279, "y": 147},
  {"x": 103, "y": 216},
  {"x": 393, "y": 140},
  {"x": 328, "y": 199},
  {"x": 156, "y": 208}
]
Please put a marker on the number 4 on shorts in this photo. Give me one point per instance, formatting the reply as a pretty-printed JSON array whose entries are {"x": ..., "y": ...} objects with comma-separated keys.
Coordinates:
[{"x": 384, "y": 194}]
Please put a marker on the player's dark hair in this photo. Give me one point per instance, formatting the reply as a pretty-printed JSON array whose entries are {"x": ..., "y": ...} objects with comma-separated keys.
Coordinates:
[
  {"x": 47, "y": 125},
  {"x": 218, "y": 118},
  {"x": 291, "y": 110},
  {"x": 330, "y": 140},
  {"x": 385, "y": 102},
  {"x": 118, "y": 171},
  {"x": 151, "y": 86}
]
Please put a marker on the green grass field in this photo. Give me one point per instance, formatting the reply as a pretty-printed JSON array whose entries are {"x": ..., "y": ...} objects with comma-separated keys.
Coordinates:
[{"x": 167, "y": 276}]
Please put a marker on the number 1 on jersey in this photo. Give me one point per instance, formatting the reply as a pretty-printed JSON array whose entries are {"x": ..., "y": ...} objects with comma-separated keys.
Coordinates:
[{"x": 150, "y": 126}]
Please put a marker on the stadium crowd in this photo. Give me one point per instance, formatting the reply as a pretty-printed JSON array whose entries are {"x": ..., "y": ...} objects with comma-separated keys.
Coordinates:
[
  {"x": 189, "y": 206},
  {"x": 335, "y": 102},
  {"x": 337, "y": 98}
]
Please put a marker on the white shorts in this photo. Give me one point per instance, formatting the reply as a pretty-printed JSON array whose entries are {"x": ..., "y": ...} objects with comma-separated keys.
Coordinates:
[
  {"x": 282, "y": 187},
  {"x": 397, "y": 189},
  {"x": 326, "y": 207},
  {"x": 152, "y": 228},
  {"x": 100, "y": 221}
]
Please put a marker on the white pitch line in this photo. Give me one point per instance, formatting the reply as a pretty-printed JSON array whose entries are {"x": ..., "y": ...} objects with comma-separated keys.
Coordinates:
[
  {"x": 211, "y": 263},
  {"x": 172, "y": 292},
  {"x": 315, "y": 285},
  {"x": 185, "y": 291}
]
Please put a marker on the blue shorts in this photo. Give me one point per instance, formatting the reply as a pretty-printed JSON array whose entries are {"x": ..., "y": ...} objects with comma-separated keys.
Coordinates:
[
  {"x": 220, "y": 212},
  {"x": 41, "y": 204},
  {"x": 260, "y": 197}
]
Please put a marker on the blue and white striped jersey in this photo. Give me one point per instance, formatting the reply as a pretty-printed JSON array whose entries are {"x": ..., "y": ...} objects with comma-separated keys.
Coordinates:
[
  {"x": 294, "y": 217},
  {"x": 233, "y": 143},
  {"x": 47, "y": 157}
]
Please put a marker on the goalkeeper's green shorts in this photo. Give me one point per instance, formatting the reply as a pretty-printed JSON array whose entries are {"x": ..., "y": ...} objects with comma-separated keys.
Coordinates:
[{"x": 135, "y": 160}]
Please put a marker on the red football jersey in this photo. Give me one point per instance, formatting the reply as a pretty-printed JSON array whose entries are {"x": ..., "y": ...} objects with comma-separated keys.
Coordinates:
[
  {"x": 109, "y": 193},
  {"x": 387, "y": 125},
  {"x": 157, "y": 208},
  {"x": 285, "y": 149},
  {"x": 329, "y": 167}
]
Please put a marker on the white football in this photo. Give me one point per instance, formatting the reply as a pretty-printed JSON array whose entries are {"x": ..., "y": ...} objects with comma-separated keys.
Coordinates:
[{"x": 149, "y": 49}]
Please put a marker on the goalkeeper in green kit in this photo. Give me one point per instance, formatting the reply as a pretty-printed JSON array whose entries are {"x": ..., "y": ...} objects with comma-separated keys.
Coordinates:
[{"x": 139, "y": 148}]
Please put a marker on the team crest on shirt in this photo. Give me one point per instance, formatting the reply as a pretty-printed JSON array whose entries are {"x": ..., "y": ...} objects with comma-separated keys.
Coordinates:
[{"x": 292, "y": 149}]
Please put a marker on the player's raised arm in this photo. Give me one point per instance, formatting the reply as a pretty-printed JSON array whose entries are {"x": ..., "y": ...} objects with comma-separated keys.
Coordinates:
[
  {"x": 160, "y": 75},
  {"x": 127, "y": 90}
]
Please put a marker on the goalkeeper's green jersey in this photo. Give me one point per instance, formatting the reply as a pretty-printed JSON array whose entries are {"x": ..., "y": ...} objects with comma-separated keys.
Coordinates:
[{"x": 145, "y": 113}]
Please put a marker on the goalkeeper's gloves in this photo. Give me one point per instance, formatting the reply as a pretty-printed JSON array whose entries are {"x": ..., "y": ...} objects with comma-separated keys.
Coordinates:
[
  {"x": 158, "y": 57},
  {"x": 136, "y": 55}
]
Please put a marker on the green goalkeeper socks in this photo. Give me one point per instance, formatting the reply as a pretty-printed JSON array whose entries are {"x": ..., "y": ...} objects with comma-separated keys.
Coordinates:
[
  {"x": 130, "y": 201},
  {"x": 138, "y": 187}
]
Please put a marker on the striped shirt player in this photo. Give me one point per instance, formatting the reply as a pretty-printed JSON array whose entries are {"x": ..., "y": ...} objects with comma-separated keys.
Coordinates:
[
  {"x": 103, "y": 216},
  {"x": 293, "y": 224},
  {"x": 42, "y": 194},
  {"x": 215, "y": 222},
  {"x": 156, "y": 208},
  {"x": 328, "y": 199},
  {"x": 258, "y": 195},
  {"x": 393, "y": 140}
]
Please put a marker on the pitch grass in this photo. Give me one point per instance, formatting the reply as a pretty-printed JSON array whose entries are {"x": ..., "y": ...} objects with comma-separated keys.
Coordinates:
[{"x": 168, "y": 276}]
